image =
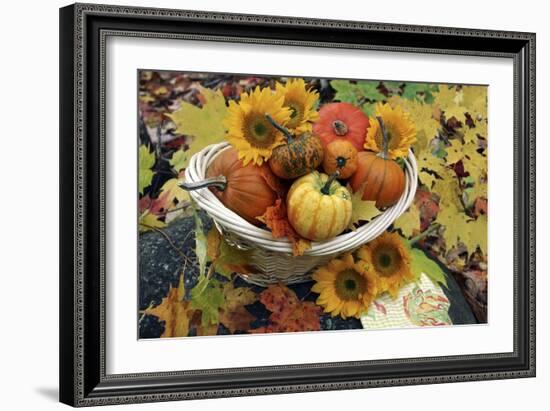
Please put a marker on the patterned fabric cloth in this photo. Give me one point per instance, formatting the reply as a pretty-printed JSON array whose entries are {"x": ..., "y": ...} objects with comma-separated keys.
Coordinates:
[{"x": 418, "y": 304}]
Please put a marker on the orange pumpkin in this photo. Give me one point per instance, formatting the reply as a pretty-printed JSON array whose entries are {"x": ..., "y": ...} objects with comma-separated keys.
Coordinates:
[
  {"x": 383, "y": 179},
  {"x": 342, "y": 121},
  {"x": 340, "y": 155},
  {"x": 248, "y": 190}
]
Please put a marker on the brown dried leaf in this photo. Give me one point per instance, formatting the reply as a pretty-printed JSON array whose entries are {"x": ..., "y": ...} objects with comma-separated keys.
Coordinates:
[
  {"x": 289, "y": 314},
  {"x": 275, "y": 218},
  {"x": 237, "y": 320}
]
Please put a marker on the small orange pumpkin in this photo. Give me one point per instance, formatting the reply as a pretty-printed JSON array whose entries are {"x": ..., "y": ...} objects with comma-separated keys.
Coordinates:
[
  {"x": 246, "y": 190},
  {"x": 340, "y": 155},
  {"x": 342, "y": 121},
  {"x": 381, "y": 178}
]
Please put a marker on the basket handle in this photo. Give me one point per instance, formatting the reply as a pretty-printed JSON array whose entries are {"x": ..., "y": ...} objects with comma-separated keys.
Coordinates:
[{"x": 220, "y": 182}]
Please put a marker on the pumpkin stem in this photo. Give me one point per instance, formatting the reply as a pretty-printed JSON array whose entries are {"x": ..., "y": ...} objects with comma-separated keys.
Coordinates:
[
  {"x": 340, "y": 128},
  {"x": 326, "y": 188},
  {"x": 220, "y": 182},
  {"x": 282, "y": 129},
  {"x": 385, "y": 138}
]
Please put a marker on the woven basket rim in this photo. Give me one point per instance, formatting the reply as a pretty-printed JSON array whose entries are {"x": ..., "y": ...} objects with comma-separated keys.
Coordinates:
[{"x": 261, "y": 237}]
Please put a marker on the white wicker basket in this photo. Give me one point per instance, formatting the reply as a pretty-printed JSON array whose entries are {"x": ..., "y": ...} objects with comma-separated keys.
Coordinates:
[{"x": 272, "y": 257}]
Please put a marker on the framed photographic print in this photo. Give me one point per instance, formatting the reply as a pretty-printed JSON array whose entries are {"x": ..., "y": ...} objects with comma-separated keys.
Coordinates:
[{"x": 261, "y": 204}]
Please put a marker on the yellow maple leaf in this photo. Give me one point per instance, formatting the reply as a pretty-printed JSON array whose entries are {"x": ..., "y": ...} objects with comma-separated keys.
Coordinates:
[
  {"x": 475, "y": 99},
  {"x": 172, "y": 190},
  {"x": 455, "y": 152},
  {"x": 427, "y": 179},
  {"x": 174, "y": 311},
  {"x": 361, "y": 210},
  {"x": 450, "y": 101},
  {"x": 475, "y": 234},
  {"x": 478, "y": 190},
  {"x": 204, "y": 124},
  {"x": 148, "y": 221},
  {"x": 421, "y": 144},
  {"x": 409, "y": 221},
  {"x": 471, "y": 134},
  {"x": 428, "y": 163},
  {"x": 448, "y": 190},
  {"x": 474, "y": 162},
  {"x": 237, "y": 296},
  {"x": 146, "y": 163},
  {"x": 422, "y": 114},
  {"x": 446, "y": 97},
  {"x": 453, "y": 220}
]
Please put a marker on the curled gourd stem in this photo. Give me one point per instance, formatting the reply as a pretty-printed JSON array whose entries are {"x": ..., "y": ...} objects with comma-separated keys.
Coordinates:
[
  {"x": 385, "y": 138},
  {"x": 279, "y": 127},
  {"x": 326, "y": 188},
  {"x": 219, "y": 182}
]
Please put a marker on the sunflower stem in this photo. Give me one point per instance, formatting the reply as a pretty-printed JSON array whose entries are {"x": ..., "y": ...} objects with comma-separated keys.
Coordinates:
[
  {"x": 326, "y": 188},
  {"x": 282, "y": 129},
  {"x": 385, "y": 139}
]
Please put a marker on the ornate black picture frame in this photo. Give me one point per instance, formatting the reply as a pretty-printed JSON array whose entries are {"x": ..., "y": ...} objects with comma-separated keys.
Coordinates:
[{"x": 83, "y": 31}]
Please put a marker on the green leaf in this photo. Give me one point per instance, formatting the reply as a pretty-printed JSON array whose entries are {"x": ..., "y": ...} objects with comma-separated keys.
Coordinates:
[
  {"x": 420, "y": 92},
  {"x": 368, "y": 109},
  {"x": 146, "y": 162},
  {"x": 392, "y": 86},
  {"x": 353, "y": 93},
  {"x": 225, "y": 258},
  {"x": 179, "y": 160},
  {"x": 345, "y": 91},
  {"x": 369, "y": 90},
  {"x": 208, "y": 297},
  {"x": 421, "y": 263},
  {"x": 204, "y": 124}
]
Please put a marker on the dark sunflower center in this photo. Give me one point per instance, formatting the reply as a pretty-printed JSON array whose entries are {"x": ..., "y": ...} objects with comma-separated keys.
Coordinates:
[
  {"x": 387, "y": 260},
  {"x": 349, "y": 284},
  {"x": 258, "y": 132},
  {"x": 260, "y": 129}
]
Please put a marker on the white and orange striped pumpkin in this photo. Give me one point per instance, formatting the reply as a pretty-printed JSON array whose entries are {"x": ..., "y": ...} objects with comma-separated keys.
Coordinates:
[{"x": 317, "y": 211}]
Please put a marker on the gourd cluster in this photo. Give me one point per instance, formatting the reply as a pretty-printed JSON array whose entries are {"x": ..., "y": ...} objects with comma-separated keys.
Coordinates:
[{"x": 315, "y": 172}]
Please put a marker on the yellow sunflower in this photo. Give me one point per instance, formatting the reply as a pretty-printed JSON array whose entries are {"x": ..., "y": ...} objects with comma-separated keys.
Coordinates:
[
  {"x": 346, "y": 287},
  {"x": 390, "y": 260},
  {"x": 400, "y": 131},
  {"x": 248, "y": 129},
  {"x": 301, "y": 103}
]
